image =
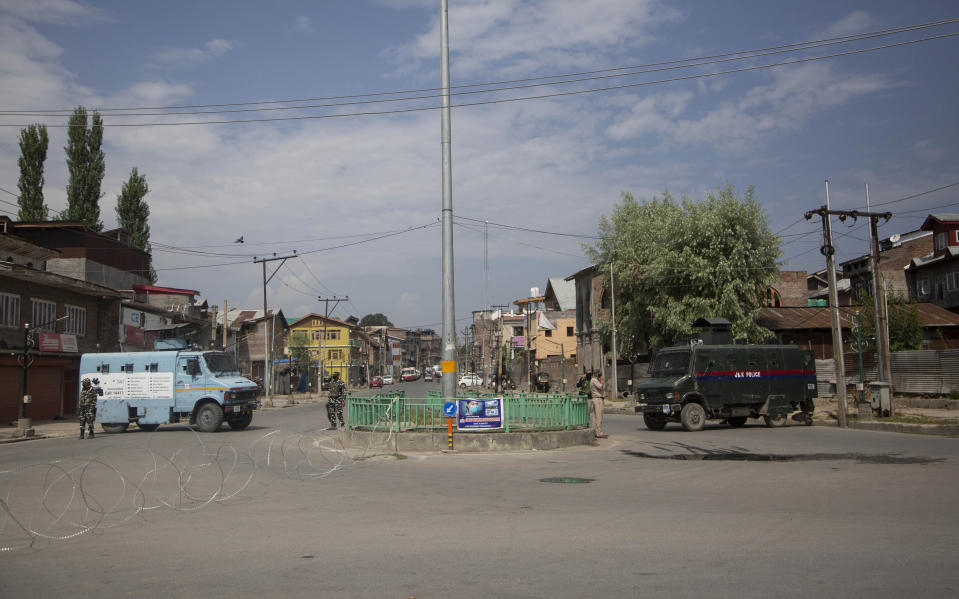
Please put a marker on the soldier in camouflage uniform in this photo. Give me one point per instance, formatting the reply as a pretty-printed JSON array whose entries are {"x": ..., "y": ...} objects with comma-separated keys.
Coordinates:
[
  {"x": 88, "y": 406},
  {"x": 336, "y": 398}
]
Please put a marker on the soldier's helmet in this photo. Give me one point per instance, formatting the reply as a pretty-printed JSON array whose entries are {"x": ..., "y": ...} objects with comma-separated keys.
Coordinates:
[
  {"x": 86, "y": 381},
  {"x": 336, "y": 375}
]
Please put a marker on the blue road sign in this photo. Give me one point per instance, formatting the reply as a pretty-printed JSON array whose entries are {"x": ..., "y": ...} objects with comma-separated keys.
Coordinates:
[{"x": 449, "y": 408}]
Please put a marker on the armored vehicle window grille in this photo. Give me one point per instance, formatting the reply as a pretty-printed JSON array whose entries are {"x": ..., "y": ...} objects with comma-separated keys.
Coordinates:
[
  {"x": 126, "y": 368},
  {"x": 154, "y": 367},
  {"x": 103, "y": 369}
]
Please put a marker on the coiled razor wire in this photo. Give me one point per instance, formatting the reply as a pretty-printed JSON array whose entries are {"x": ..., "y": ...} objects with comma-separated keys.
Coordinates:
[{"x": 63, "y": 499}]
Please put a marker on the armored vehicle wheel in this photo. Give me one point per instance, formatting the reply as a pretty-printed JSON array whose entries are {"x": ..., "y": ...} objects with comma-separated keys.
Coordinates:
[
  {"x": 654, "y": 423},
  {"x": 774, "y": 420},
  {"x": 693, "y": 417},
  {"x": 736, "y": 421},
  {"x": 114, "y": 427},
  {"x": 209, "y": 417},
  {"x": 147, "y": 427},
  {"x": 239, "y": 423}
]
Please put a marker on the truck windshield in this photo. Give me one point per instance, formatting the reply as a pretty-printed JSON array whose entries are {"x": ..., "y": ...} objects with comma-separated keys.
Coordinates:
[
  {"x": 666, "y": 363},
  {"x": 220, "y": 363}
]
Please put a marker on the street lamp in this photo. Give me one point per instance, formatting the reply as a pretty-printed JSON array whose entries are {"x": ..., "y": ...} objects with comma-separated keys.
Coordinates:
[{"x": 24, "y": 423}]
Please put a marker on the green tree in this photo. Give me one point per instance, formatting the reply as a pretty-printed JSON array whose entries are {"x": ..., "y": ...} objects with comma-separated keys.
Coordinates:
[
  {"x": 33, "y": 153},
  {"x": 675, "y": 262},
  {"x": 905, "y": 323},
  {"x": 133, "y": 213},
  {"x": 375, "y": 320},
  {"x": 86, "y": 166}
]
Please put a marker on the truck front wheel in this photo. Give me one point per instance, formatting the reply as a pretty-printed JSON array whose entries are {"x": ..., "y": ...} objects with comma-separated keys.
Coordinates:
[
  {"x": 239, "y": 423},
  {"x": 654, "y": 423},
  {"x": 693, "y": 417},
  {"x": 209, "y": 417},
  {"x": 775, "y": 420}
]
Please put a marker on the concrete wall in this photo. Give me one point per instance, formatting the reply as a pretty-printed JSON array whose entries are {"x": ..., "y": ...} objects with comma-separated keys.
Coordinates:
[{"x": 95, "y": 272}]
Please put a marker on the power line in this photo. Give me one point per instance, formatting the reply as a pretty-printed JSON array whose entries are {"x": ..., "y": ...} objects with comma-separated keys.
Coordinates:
[
  {"x": 517, "y": 228},
  {"x": 522, "y": 98},
  {"x": 736, "y": 55}
]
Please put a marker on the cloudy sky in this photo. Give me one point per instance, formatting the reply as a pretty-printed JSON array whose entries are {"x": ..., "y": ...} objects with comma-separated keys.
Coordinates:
[{"x": 353, "y": 183}]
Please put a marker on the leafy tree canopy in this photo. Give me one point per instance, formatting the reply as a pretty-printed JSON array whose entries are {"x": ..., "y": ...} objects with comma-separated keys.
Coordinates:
[
  {"x": 86, "y": 165},
  {"x": 674, "y": 262},
  {"x": 33, "y": 153},
  {"x": 375, "y": 320},
  {"x": 905, "y": 323}
]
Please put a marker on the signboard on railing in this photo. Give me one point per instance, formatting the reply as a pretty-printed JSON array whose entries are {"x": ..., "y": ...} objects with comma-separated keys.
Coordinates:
[{"x": 476, "y": 414}]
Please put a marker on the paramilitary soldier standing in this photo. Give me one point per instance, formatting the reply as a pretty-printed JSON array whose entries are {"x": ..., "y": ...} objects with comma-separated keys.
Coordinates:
[
  {"x": 336, "y": 397},
  {"x": 88, "y": 406}
]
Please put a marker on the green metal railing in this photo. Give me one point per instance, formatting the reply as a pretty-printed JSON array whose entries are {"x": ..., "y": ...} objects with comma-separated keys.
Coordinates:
[{"x": 522, "y": 411}]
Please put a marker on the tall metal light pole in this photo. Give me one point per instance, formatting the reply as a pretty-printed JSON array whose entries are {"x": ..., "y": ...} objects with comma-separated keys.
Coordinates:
[
  {"x": 612, "y": 298},
  {"x": 449, "y": 318}
]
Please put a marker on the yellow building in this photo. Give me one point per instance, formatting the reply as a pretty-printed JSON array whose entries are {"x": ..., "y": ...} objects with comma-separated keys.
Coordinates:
[{"x": 327, "y": 340}]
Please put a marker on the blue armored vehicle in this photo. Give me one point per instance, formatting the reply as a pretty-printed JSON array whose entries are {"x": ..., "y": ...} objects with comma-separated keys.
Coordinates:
[{"x": 160, "y": 387}]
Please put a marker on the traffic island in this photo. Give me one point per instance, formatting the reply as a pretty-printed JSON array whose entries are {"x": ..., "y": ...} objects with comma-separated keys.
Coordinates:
[
  {"x": 480, "y": 422},
  {"x": 415, "y": 441}
]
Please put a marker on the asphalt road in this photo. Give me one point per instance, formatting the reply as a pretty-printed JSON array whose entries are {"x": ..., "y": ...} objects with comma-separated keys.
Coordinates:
[{"x": 793, "y": 512}]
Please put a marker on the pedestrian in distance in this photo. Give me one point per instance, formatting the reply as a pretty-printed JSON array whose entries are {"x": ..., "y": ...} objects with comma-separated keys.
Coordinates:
[
  {"x": 88, "y": 406},
  {"x": 335, "y": 401},
  {"x": 596, "y": 401}
]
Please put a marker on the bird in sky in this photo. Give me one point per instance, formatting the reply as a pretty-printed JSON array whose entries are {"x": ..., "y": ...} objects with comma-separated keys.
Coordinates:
[{"x": 240, "y": 240}]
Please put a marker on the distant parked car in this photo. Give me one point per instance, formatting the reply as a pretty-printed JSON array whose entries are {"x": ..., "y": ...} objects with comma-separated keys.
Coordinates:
[
  {"x": 428, "y": 376},
  {"x": 471, "y": 380},
  {"x": 376, "y": 381},
  {"x": 387, "y": 379}
]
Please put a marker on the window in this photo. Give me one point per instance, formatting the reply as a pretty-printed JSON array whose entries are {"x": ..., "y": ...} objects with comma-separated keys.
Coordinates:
[
  {"x": 772, "y": 298},
  {"x": 334, "y": 354},
  {"x": 940, "y": 241},
  {"x": 43, "y": 314},
  {"x": 9, "y": 310},
  {"x": 517, "y": 331},
  {"x": 569, "y": 332},
  {"x": 333, "y": 335},
  {"x": 922, "y": 287},
  {"x": 103, "y": 369},
  {"x": 952, "y": 281},
  {"x": 549, "y": 333},
  {"x": 315, "y": 335},
  {"x": 76, "y": 322}
]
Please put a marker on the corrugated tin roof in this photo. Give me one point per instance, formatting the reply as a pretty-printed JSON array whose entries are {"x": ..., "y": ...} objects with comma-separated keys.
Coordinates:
[
  {"x": 792, "y": 319},
  {"x": 564, "y": 291}
]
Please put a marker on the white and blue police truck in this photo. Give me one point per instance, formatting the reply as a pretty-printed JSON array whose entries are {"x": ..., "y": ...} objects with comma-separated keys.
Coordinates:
[{"x": 203, "y": 388}]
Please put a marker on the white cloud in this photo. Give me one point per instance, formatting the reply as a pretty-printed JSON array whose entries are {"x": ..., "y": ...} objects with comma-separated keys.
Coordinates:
[
  {"x": 303, "y": 24},
  {"x": 929, "y": 150},
  {"x": 52, "y": 12},
  {"x": 855, "y": 22},
  {"x": 180, "y": 56},
  {"x": 793, "y": 95},
  {"x": 501, "y": 34}
]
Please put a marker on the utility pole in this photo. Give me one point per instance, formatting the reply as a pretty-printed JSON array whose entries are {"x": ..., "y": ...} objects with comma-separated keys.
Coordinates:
[
  {"x": 266, "y": 341},
  {"x": 449, "y": 312},
  {"x": 326, "y": 314},
  {"x": 225, "y": 322},
  {"x": 612, "y": 298},
  {"x": 23, "y": 425},
  {"x": 828, "y": 250},
  {"x": 879, "y": 302}
]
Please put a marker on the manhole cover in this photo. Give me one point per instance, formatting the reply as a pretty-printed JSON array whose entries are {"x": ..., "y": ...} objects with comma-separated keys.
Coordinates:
[{"x": 572, "y": 480}]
